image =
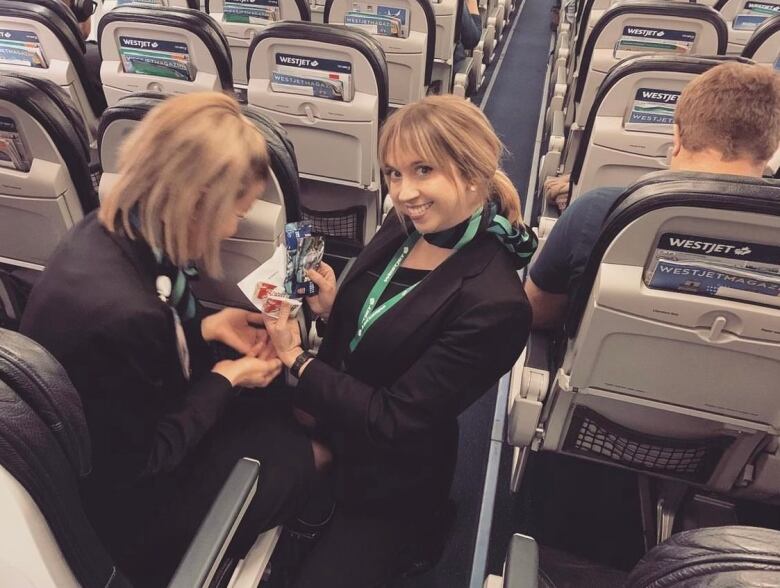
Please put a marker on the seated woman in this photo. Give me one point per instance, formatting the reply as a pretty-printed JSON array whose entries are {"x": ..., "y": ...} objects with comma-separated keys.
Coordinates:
[
  {"x": 470, "y": 31},
  {"x": 115, "y": 308},
  {"x": 431, "y": 314}
]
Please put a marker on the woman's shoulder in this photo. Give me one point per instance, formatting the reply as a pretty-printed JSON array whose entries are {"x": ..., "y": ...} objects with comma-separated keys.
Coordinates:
[{"x": 498, "y": 283}]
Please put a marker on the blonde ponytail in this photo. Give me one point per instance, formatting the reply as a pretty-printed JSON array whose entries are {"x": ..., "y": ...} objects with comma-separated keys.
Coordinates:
[{"x": 503, "y": 191}]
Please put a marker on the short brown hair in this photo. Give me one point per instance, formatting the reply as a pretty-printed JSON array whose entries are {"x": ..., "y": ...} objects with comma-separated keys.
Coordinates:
[
  {"x": 182, "y": 169},
  {"x": 733, "y": 108}
]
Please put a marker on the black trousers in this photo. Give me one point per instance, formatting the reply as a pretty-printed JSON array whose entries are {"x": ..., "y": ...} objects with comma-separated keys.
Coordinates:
[
  {"x": 149, "y": 533},
  {"x": 357, "y": 551}
]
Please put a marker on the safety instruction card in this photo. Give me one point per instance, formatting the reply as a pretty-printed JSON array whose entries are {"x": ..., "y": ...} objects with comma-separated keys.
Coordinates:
[
  {"x": 312, "y": 76},
  {"x": 156, "y": 57},
  {"x": 651, "y": 40},
  {"x": 652, "y": 111},
  {"x": 21, "y": 48},
  {"x": 737, "y": 270},
  {"x": 251, "y": 11}
]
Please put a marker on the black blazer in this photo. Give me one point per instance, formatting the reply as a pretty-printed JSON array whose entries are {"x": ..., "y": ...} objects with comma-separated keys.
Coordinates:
[
  {"x": 393, "y": 413},
  {"x": 95, "y": 308}
]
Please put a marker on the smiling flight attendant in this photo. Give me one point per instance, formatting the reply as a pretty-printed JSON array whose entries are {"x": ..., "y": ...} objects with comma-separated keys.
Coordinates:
[{"x": 431, "y": 314}]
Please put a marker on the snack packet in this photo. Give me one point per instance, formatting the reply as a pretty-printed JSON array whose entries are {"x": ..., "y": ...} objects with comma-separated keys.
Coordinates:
[
  {"x": 304, "y": 252},
  {"x": 270, "y": 298}
]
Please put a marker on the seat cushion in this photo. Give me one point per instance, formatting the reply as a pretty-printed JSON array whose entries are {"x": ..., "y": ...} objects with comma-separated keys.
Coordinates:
[
  {"x": 38, "y": 379},
  {"x": 715, "y": 557}
]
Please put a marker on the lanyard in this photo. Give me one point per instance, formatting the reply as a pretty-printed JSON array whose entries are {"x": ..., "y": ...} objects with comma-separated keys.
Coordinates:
[{"x": 369, "y": 314}]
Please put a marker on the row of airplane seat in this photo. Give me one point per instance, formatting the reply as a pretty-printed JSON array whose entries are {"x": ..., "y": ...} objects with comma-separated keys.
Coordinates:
[
  {"x": 178, "y": 48},
  {"x": 670, "y": 377},
  {"x": 324, "y": 149},
  {"x": 620, "y": 41}
]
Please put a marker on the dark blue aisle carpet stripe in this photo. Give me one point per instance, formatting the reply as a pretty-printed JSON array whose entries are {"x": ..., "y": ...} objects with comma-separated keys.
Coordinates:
[
  {"x": 513, "y": 105},
  {"x": 513, "y": 108}
]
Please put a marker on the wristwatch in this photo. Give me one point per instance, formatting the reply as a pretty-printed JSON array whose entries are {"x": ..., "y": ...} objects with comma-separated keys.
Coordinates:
[{"x": 299, "y": 361}]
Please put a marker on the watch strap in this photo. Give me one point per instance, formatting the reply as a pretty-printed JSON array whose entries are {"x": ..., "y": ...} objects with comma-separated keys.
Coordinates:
[{"x": 302, "y": 358}]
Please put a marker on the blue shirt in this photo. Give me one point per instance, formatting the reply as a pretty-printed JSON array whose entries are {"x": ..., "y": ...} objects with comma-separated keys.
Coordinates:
[{"x": 561, "y": 262}]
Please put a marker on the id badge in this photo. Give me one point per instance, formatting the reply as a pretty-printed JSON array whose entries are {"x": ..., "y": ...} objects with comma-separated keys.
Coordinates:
[{"x": 181, "y": 345}]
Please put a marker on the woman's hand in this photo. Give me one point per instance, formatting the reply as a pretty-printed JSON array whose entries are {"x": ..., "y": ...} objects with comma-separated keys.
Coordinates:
[
  {"x": 322, "y": 302},
  {"x": 249, "y": 372},
  {"x": 236, "y": 328},
  {"x": 285, "y": 335}
]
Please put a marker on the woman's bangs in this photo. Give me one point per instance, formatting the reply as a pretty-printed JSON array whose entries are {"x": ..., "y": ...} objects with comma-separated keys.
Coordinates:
[{"x": 415, "y": 141}]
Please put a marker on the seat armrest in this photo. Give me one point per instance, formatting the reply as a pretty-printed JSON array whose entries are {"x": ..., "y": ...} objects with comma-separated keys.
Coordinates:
[
  {"x": 207, "y": 548},
  {"x": 522, "y": 563},
  {"x": 344, "y": 272}
]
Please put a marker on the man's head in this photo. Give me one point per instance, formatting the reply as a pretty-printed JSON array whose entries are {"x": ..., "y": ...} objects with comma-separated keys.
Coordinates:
[
  {"x": 82, "y": 10},
  {"x": 728, "y": 121}
]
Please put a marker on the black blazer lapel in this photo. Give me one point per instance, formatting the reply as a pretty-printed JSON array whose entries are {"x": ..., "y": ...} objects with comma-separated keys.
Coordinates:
[{"x": 400, "y": 325}]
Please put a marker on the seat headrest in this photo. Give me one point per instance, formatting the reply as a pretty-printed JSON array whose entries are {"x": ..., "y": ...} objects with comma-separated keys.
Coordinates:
[
  {"x": 673, "y": 9},
  {"x": 194, "y": 21},
  {"x": 672, "y": 189},
  {"x": 41, "y": 382},
  {"x": 763, "y": 31},
  {"x": 335, "y": 35},
  {"x": 48, "y": 104},
  {"x": 642, "y": 63},
  {"x": 280, "y": 150},
  {"x": 716, "y": 557},
  {"x": 59, "y": 19}
]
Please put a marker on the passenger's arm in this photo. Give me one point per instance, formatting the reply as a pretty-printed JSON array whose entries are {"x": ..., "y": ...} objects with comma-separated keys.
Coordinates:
[
  {"x": 470, "y": 25},
  {"x": 475, "y": 350},
  {"x": 155, "y": 427},
  {"x": 549, "y": 309}
]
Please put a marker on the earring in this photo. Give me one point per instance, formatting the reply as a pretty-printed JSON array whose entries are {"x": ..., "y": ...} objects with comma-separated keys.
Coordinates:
[{"x": 473, "y": 188}]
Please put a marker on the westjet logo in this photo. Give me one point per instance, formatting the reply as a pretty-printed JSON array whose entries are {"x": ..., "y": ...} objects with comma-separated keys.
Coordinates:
[
  {"x": 139, "y": 43},
  {"x": 645, "y": 32},
  {"x": 772, "y": 7},
  {"x": 708, "y": 246},
  {"x": 668, "y": 97},
  {"x": 297, "y": 61}
]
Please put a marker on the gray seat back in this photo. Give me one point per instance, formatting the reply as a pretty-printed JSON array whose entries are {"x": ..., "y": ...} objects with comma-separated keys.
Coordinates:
[
  {"x": 242, "y": 21},
  {"x": 54, "y": 51},
  {"x": 629, "y": 130},
  {"x": 672, "y": 299},
  {"x": 409, "y": 46},
  {"x": 159, "y": 49},
  {"x": 44, "y": 169},
  {"x": 763, "y": 47}
]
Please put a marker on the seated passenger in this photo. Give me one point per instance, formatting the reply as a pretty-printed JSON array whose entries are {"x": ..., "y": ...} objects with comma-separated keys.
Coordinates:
[
  {"x": 470, "y": 31},
  {"x": 84, "y": 18},
  {"x": 114, "y": 307},
  {"x": 727, "y": 122},
  {"x": 430, "y": 316}
]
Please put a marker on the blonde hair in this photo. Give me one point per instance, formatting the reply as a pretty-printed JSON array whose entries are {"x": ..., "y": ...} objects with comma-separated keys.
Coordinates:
[
  {"x": 733, "y": 108},
  {"x": 182, "y": 169},
  {"x": 453, "y": 134}
]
